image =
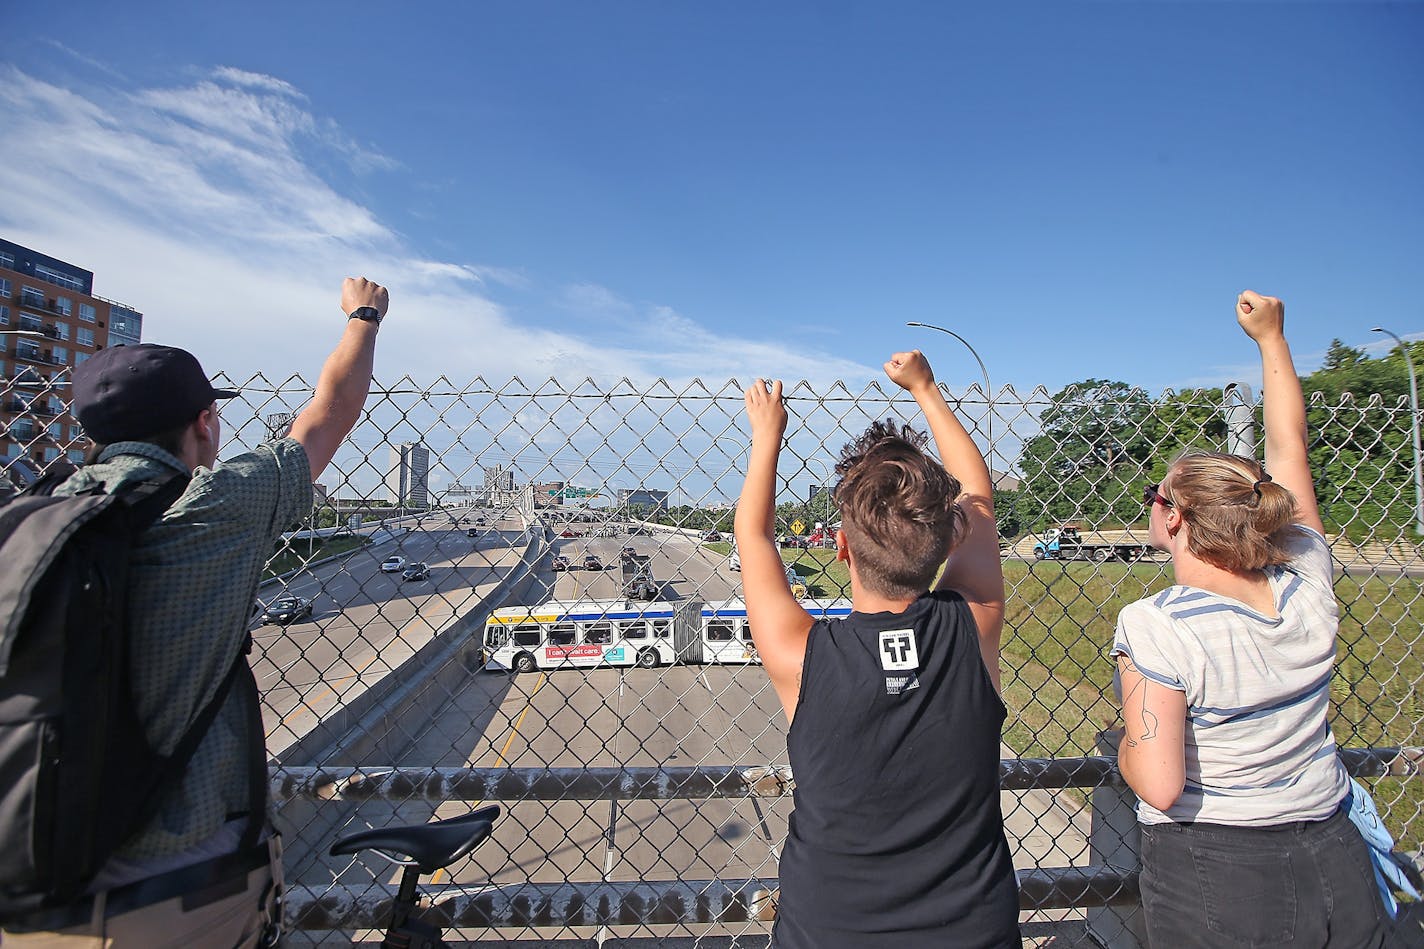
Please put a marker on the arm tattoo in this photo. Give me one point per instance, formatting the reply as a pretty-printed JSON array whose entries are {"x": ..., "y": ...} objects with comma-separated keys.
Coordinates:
[{"x": 1139, "y": 694}]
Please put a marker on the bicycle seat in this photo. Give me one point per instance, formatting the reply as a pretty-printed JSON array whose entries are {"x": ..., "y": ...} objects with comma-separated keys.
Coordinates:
[{"x": 428, "y": 847}]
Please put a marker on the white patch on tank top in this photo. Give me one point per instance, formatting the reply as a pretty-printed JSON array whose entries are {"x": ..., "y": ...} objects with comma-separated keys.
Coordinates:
[
  {"x": 898, "y": 652},
  {"x": 897, "y": 685}
]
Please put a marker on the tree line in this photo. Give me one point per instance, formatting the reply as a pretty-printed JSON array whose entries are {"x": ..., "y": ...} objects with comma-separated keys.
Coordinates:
[{"x": 1101, "y": 439}]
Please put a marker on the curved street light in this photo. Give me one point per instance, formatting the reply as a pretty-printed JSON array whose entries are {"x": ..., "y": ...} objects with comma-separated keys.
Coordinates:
[
  {"x": 1414, "y": 416},
  {"x": 988, "y": 391}
]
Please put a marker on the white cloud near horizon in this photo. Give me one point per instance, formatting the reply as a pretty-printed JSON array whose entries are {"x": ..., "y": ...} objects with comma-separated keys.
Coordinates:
[{"x": 200, "y": 205}]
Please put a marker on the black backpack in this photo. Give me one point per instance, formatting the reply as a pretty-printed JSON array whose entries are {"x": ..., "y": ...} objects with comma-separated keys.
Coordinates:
[{"x": 77, "y": 775}]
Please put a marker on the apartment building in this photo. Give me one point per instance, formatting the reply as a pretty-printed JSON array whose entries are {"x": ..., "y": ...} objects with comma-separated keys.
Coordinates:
[{"x": 50, "y": 322}]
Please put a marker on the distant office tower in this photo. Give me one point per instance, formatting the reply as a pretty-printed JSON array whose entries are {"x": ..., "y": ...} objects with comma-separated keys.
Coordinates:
[
  {"x": 408, "y": 480},
  {"x": 498, "y": 489},
  {"x": 499, "y": 478},
  {"x": 650, "y": 498},
  {"x": 52, "y": 322}
]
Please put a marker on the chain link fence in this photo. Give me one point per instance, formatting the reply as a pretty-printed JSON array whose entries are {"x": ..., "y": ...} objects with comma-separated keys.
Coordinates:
[{"x": 527, "y": 595}]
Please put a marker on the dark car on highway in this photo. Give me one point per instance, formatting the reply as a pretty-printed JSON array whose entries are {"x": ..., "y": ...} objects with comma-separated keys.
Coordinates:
[
  {"x": 591, "y": 562},
  {"x": 416, "y": 571},
  {"x": 560, "y": 562},
  {"x": 287, "y": 609}
]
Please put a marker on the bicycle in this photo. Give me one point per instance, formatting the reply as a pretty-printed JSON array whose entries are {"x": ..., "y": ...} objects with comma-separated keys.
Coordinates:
[{"x": 421, "y": 849}]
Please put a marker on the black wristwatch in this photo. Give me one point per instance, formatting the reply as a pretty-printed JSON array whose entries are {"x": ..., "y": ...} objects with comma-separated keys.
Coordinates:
[{"x": 368, "y": 313}]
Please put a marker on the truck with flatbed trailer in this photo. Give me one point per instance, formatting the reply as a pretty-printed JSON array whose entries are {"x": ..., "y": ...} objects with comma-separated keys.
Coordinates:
[{"x": 1068, "y": 543}]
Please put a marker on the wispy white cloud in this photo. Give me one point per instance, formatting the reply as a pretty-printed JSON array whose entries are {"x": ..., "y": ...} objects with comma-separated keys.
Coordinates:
[
  {"x": 89, "y": 61},
  {"x": 258, "y": 81},
  {"x": 201, "y": 205},
  {"x": 590, "y": 297}
]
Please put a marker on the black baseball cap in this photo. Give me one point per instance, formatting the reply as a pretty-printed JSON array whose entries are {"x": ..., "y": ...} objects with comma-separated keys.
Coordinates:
[{"x": 130, "y": 392}]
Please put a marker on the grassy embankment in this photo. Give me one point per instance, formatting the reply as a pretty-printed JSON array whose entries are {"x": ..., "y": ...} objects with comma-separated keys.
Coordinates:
[{"x": 299, "y": 552}]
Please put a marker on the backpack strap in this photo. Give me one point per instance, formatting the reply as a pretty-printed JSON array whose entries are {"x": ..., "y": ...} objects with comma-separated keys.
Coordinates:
[
  {"x": 47, "y": 482},
  {"x": 256, "y": 752},
  {"x": 148, "y": 500}
]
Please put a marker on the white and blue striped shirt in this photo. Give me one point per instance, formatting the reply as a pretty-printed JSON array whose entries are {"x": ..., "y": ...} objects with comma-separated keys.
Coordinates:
[{"x": 1258, "y": 746}]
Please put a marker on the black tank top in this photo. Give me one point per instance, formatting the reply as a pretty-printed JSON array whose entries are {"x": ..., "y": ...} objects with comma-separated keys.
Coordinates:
[{"x": 896, "y": 838}]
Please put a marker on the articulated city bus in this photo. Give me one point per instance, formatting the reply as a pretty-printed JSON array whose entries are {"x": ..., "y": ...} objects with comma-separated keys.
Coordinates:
[
  {"x": 727, "y": 638},
  {"x": 590, "y": 633}
]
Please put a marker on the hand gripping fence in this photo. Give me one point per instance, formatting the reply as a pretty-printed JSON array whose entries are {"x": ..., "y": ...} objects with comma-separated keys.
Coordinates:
[{"x": 636, "y": 747}]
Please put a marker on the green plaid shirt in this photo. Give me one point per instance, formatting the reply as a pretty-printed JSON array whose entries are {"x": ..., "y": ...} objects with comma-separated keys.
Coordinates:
[{"x": 193, "y": 577}]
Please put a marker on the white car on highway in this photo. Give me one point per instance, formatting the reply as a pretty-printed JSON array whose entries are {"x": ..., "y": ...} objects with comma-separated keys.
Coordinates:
[{"x": 393, "y": 565}]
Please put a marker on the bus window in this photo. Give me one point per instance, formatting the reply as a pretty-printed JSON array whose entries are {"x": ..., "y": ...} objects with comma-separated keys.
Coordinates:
[
  {"x": 561, "y": 634},
  {"x": 746, "y": 633},
  {"x": 598, "y": 633},
  {"x": 662, "y": 628},
  {"x": 496, "y": 636},
  {"x": 528, "y": 636},
  {"x": 635, "y": 629},
  {"x": 719, "y": 631}
]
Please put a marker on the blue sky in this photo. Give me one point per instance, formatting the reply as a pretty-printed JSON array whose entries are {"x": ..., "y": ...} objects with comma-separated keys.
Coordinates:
[{"x": 678, "y": 189}]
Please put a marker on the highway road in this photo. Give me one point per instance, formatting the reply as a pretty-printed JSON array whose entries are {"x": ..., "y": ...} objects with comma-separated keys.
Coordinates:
[{"x": 365, "y": 622}]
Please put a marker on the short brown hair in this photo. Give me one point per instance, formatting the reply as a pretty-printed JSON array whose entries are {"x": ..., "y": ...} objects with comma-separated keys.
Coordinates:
[
  {"x": 170, "y": 440},
  {"x": 1240, "y": 519},
  {"x": 898, "y": 509}
]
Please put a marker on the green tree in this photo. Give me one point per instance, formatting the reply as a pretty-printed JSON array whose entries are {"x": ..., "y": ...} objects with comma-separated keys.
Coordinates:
[
  {"x": 1009, "y": 512},
  {"x": 1088, "y": 460},
  {"x": 1361, "y": 448}
]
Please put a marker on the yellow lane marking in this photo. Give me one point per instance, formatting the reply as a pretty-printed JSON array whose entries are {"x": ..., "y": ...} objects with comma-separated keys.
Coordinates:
[{"x": 499, "y": 759}]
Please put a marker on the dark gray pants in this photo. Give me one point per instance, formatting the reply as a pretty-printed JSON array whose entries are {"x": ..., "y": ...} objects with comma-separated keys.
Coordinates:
[{"x": 1307, "y": 884}]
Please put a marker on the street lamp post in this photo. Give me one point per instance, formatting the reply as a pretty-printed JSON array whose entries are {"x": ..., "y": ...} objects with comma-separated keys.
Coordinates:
[
  {"x": 988, "y": 391},
  {"x": 1414, "y": 418}
]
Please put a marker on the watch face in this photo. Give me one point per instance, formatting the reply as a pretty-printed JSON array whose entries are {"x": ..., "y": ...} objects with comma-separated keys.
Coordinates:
[{"x": 368, "y": 313}]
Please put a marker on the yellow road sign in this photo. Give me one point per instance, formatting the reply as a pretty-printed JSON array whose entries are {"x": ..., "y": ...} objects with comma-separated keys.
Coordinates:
[{"x": 797, "y": 527}]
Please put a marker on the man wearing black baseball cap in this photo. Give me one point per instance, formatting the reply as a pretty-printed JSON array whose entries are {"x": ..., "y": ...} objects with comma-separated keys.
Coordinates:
[
  {"x": 206, "y": 870},
  {"x": 127, "y": 393}
]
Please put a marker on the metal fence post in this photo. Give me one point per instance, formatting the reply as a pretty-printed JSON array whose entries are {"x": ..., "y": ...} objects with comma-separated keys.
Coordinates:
[
  {"x": 1238, "y": 409},
  {"x": 1113, "y": 841}
]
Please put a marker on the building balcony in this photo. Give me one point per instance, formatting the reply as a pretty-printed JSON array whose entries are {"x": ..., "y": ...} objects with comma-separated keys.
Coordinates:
[
  {"x": 41, "y": 304},
  {"x": 46, "y": 357}
]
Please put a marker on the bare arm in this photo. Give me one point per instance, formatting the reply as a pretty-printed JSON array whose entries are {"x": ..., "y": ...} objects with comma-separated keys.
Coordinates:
[
  {"x": 779, "y": 625},
  {"x": 1287, "y": 457},
  {"x": 345, "y": 379},
  {"x": 973, "y": 569},
  {"x": 1152, "y": 756}
]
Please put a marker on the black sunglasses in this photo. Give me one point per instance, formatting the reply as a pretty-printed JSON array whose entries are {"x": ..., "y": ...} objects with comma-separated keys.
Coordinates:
[{"x": 1151, "y": 496}]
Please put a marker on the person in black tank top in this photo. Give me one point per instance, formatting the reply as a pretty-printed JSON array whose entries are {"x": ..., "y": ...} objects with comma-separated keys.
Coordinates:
[{"x": 896, "y": 838}]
